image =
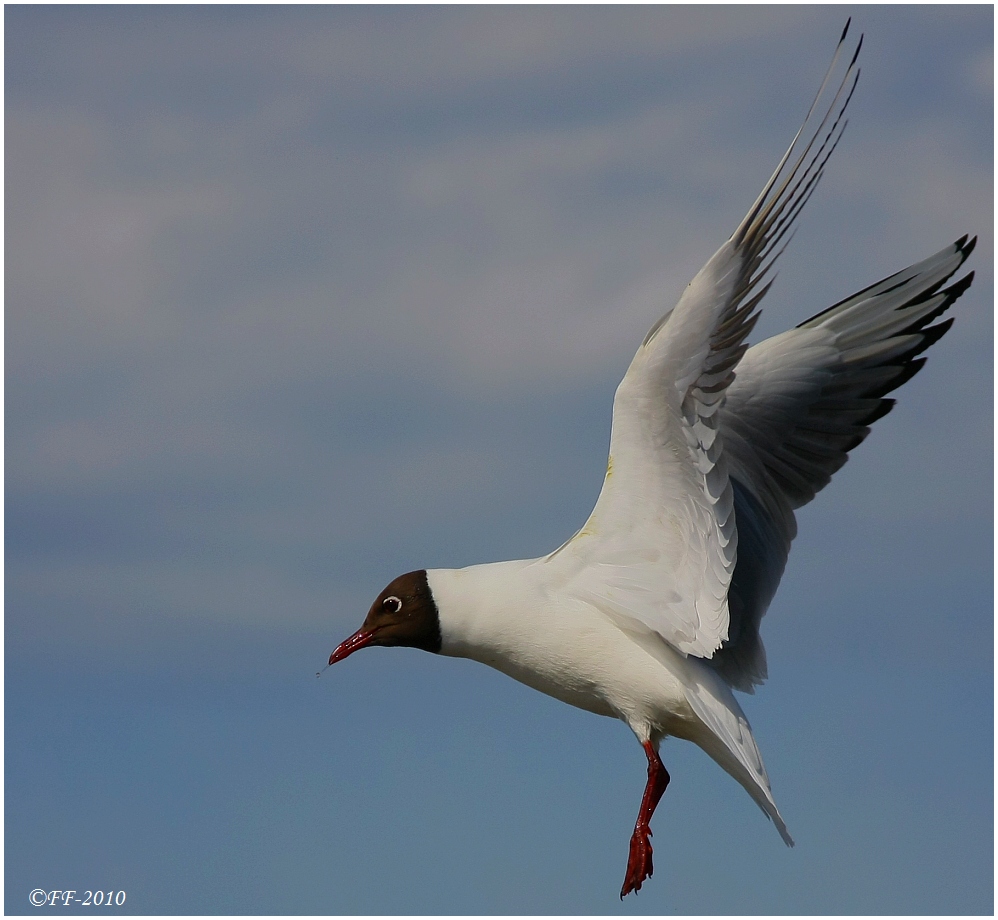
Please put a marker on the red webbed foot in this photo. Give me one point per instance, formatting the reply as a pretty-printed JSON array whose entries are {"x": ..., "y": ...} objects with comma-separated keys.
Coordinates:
[{"x": 639, "y": 865}]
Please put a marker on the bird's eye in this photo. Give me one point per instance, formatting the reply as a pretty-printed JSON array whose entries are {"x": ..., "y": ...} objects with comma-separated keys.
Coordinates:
[{"x": 392, "y": 604}]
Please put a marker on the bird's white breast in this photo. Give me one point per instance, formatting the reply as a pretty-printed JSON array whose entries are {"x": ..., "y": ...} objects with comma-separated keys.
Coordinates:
[{"x": 517, "y": 618}]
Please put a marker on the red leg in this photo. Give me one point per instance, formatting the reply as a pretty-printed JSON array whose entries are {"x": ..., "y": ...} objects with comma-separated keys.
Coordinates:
[{"x": 639, "y": 859}]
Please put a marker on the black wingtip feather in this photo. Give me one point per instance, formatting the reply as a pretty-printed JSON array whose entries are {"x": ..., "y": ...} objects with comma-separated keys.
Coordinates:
[
  {"x": 952, "y": 293},
  {"x": 906, "y": 372},
  {"x": 855, "y": 440},
  {"x": 932, "y": 335},
  {"x": 885, "y": 406},
  {"x": 856, "y": 55},
  {"x": 842, "y": 38}
]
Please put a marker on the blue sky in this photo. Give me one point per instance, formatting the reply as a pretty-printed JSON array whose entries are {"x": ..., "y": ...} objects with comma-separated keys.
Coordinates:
[{"x": 298, "y": 299}]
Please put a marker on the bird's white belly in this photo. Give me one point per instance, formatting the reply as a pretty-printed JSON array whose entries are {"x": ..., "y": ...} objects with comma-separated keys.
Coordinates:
[{"x": 578, "y": 656}]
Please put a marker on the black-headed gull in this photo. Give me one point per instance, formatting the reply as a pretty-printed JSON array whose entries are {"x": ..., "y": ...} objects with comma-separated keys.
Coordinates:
[{"x": 651, "y": 612}]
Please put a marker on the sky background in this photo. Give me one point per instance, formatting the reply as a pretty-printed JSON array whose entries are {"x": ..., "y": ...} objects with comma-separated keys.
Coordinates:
[{"x": 298, "y": 299}]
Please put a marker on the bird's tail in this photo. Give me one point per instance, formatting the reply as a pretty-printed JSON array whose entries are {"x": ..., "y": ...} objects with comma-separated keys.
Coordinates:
[{"x": 727, "y": 738}]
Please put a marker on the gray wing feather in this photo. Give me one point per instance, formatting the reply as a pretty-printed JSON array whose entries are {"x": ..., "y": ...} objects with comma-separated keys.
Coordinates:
[{"x": 799, "y": 403}]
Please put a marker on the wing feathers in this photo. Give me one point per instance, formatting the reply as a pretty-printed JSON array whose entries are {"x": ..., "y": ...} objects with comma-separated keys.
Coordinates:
[
  {"x": 668, "y": 445},
  {"x": 715, "y": 444},
  {"x": 764, "y": 196},
  {"x": 799, "y": 403}
]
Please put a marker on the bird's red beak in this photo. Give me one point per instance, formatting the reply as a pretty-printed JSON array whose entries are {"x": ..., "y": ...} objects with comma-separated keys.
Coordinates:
[{"x": 359, "y": 639}]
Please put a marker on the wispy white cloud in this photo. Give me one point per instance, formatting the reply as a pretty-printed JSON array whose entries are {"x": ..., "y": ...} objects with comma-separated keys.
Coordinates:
[
  {"x": 233, "y": 238},
  {"x": 298, "y": 298}
]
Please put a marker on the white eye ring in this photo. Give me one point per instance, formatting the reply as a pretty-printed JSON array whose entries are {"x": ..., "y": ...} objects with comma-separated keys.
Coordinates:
[{"x": 392, "y": 603}]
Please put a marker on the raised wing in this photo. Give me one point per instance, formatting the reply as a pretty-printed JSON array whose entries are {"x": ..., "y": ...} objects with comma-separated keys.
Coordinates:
[
  {"x": 661, "y": 544},
  {"x": 800, "y": 402}
]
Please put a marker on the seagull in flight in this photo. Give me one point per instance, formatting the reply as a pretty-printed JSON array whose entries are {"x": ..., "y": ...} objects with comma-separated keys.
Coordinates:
[{"x": 650, "y": 613}]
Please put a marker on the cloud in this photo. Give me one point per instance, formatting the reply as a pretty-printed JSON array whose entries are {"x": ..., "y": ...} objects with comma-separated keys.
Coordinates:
[
  {"x": 298, "y": 298},
  {"x": 315, "y": 270}
]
